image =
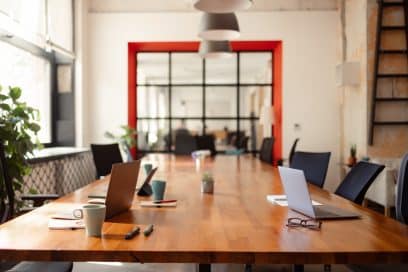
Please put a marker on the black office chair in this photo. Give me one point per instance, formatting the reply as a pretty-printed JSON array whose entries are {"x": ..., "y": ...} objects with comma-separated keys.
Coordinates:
[
  {"x": 292, "y": 150},
  {"x": 358, "y": 180},
  {"x": 7, "y": 212},
  {"x": 185, "y": 144},
  {"x": 265, "y": 154},
  {"x": 401, "y": 208},
  {"x": 242, "y": 143},
  {"x": 206, "y": 142},
  {"x": 313, "y": 164},
  {"x": 104, "y": 156}
]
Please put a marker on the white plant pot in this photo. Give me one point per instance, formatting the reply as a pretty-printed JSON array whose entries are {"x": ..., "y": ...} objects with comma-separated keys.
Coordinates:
[{"x": 207, "y": 187}]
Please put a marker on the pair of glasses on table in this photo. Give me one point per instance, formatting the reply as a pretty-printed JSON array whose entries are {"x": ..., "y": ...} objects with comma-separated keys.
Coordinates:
[{"x": 295, "y": 222}]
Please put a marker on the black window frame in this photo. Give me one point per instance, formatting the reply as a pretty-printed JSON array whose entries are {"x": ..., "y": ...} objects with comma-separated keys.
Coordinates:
[{"x": 238, "y": 118}]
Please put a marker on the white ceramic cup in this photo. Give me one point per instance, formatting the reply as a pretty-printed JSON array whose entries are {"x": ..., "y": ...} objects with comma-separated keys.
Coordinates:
[{"x": 94, "y": 216}]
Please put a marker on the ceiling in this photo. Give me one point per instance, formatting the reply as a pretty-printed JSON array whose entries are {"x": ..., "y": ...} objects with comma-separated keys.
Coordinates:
[{"x": 187, "y": 5}]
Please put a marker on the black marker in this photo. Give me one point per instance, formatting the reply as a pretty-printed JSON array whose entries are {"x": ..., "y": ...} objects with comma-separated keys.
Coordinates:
[
  {"x": 148, "y": 230},
  {"x": 132, "y": 234}
]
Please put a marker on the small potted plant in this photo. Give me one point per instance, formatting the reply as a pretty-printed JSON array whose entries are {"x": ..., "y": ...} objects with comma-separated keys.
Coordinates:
[
  {"x": 207, "y": 183},
  {"x": 352, "y": 160}
]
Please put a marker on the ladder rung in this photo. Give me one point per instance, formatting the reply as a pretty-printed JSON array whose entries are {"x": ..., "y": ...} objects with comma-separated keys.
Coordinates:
[
  {"x": 392, "y": 75},
  {"x": 393, "y": 51},
  {"x": 392, "y": 4},
  {"x": 392, "y": 99},
  {"x": 393, "y": 27},
  {"x": 390, "y": 123}
]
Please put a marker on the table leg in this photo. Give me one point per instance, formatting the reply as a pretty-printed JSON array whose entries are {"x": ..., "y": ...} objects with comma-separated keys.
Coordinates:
[
  {"x": 298, "y": 268},
  {"x": 203, "y": 268}
]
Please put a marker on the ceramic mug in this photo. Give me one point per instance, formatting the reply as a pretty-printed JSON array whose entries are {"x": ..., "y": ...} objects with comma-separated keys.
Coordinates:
[
  {"x": 158, "y": 188},
  {"x": 94, "y": 216},
  {"x": 148, "y": 168}
]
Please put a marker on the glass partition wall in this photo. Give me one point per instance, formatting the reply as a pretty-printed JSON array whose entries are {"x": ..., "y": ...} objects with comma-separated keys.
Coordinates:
[{"x": 222, "y": 97}]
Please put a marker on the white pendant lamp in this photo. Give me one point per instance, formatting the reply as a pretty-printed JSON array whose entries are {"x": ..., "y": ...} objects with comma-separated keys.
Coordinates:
[
  {"x": 222, "y": 6},
  {"x": 215, "y": 49},
  {"x": 219, "y": 26}
]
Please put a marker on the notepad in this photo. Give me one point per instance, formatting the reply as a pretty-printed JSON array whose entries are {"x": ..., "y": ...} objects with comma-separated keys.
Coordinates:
[
  {"x": 153, "y": 204},
  {"x": 60, "y": 224},
  {"x": 281, "y": 200}
]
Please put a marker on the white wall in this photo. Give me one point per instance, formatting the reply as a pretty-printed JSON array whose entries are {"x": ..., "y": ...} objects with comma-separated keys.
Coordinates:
[{"x": 309, "y": 59}]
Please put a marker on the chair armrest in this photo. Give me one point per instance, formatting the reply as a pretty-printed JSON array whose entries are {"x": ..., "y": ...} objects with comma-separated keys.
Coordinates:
[{"x": 38, "y": 200}]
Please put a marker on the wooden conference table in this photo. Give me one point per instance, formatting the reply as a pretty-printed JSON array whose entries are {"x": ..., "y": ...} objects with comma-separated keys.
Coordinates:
[{"x": 234, "y": 225}]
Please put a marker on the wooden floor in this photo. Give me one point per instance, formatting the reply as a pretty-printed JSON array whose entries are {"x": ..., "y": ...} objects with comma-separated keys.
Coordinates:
[{"x": 125, "y": 267}]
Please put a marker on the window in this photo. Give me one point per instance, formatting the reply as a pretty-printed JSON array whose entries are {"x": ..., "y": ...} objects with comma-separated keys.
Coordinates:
[
  {"x": 222, "y": 97},
  {"x": 36, "y": 56},
  {"x": 33, "y": 75}
]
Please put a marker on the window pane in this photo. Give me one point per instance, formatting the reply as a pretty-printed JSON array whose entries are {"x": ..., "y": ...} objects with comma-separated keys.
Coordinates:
[
  {"x": 152, "y": 101},
  {"x": 186, "y": 102},
  {"x": 152, "y": 68},
  {"x": 194, "y": 127},
  {"x": 221, "y": 101},
  {"x": 253, "y": 130},
  {"x": 223, "y": 130},
  {"x": 221, "y": 70},
  {"x": 152, "y": 135},
  {"x": 60, "y": 23},
  {"x": 252, "y": 99},
  {"x": 30, "y": 14},
  {"x": 187, "y": 68},
  {"x": 32, "y": 75},
  {"x": 256, "y": 67}
]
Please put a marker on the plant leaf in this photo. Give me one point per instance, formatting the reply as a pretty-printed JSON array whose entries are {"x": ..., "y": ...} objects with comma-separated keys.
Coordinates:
[{"x": 15, "y": 93}]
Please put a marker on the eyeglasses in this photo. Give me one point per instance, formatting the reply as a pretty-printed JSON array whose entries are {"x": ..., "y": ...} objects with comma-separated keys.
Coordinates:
[{"x": 312, "y": 224}]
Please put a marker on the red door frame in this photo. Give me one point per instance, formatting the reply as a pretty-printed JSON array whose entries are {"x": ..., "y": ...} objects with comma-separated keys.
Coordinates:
[{"x": 274, "y": 46}]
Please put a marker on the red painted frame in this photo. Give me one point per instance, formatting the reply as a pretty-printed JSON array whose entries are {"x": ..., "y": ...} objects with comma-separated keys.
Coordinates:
[{"x": 274, "y": 46}]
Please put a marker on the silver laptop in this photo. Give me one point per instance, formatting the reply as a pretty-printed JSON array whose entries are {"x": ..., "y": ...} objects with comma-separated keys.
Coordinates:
[
  {"x": 298, "y": 197},
  {"x": 121, "y": 188}
]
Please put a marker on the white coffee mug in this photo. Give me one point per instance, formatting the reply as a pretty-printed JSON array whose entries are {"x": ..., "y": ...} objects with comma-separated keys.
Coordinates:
[{"x": 94, "y": 216}]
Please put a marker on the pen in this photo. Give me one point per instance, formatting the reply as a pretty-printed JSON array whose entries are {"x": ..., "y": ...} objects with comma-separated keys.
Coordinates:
[
  {"x": 148, "y": 230},
  {"x": 132, "y": 234}
]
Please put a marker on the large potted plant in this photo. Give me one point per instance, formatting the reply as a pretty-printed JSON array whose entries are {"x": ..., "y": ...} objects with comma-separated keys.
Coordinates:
[{"x": 18, "y": 129}]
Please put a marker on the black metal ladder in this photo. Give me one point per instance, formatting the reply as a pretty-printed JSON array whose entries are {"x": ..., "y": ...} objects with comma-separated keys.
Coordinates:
[{"x": 377, "y": 75}]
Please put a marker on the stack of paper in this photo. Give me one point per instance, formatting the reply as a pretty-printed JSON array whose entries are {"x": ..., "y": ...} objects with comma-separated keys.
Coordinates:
[{"x": 54, "y": 223}]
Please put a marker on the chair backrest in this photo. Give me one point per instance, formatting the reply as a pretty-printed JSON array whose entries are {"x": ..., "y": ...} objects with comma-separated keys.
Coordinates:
[
  {"x": 104, "y": 156},
  {"x": 356, "y": 183},
  {"x": 242, "y": 143},
  {"x": 292, "y": 150},
  {"x": 207, "y": 142},
  {"x": 401, "y": 206},
  {"x": 185, "y": 144},
  {"x": 313, "y": 164},
  {"x": 265, "y": 154},
  {"x": 6, "y": 208}
]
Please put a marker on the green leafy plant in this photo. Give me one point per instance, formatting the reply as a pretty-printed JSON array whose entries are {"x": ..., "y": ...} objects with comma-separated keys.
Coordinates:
[
  {"x": 18, "y": 128},
  {"x": 126, "y": 140},
  {"x": 207, "y": 176}
]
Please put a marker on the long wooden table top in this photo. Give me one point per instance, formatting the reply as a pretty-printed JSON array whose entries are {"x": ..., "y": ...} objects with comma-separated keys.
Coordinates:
[{"x": 234, "y": 225}]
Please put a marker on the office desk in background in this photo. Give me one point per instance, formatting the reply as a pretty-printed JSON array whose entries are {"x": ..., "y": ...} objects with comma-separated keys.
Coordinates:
[{"x": 234, "y": 225}]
